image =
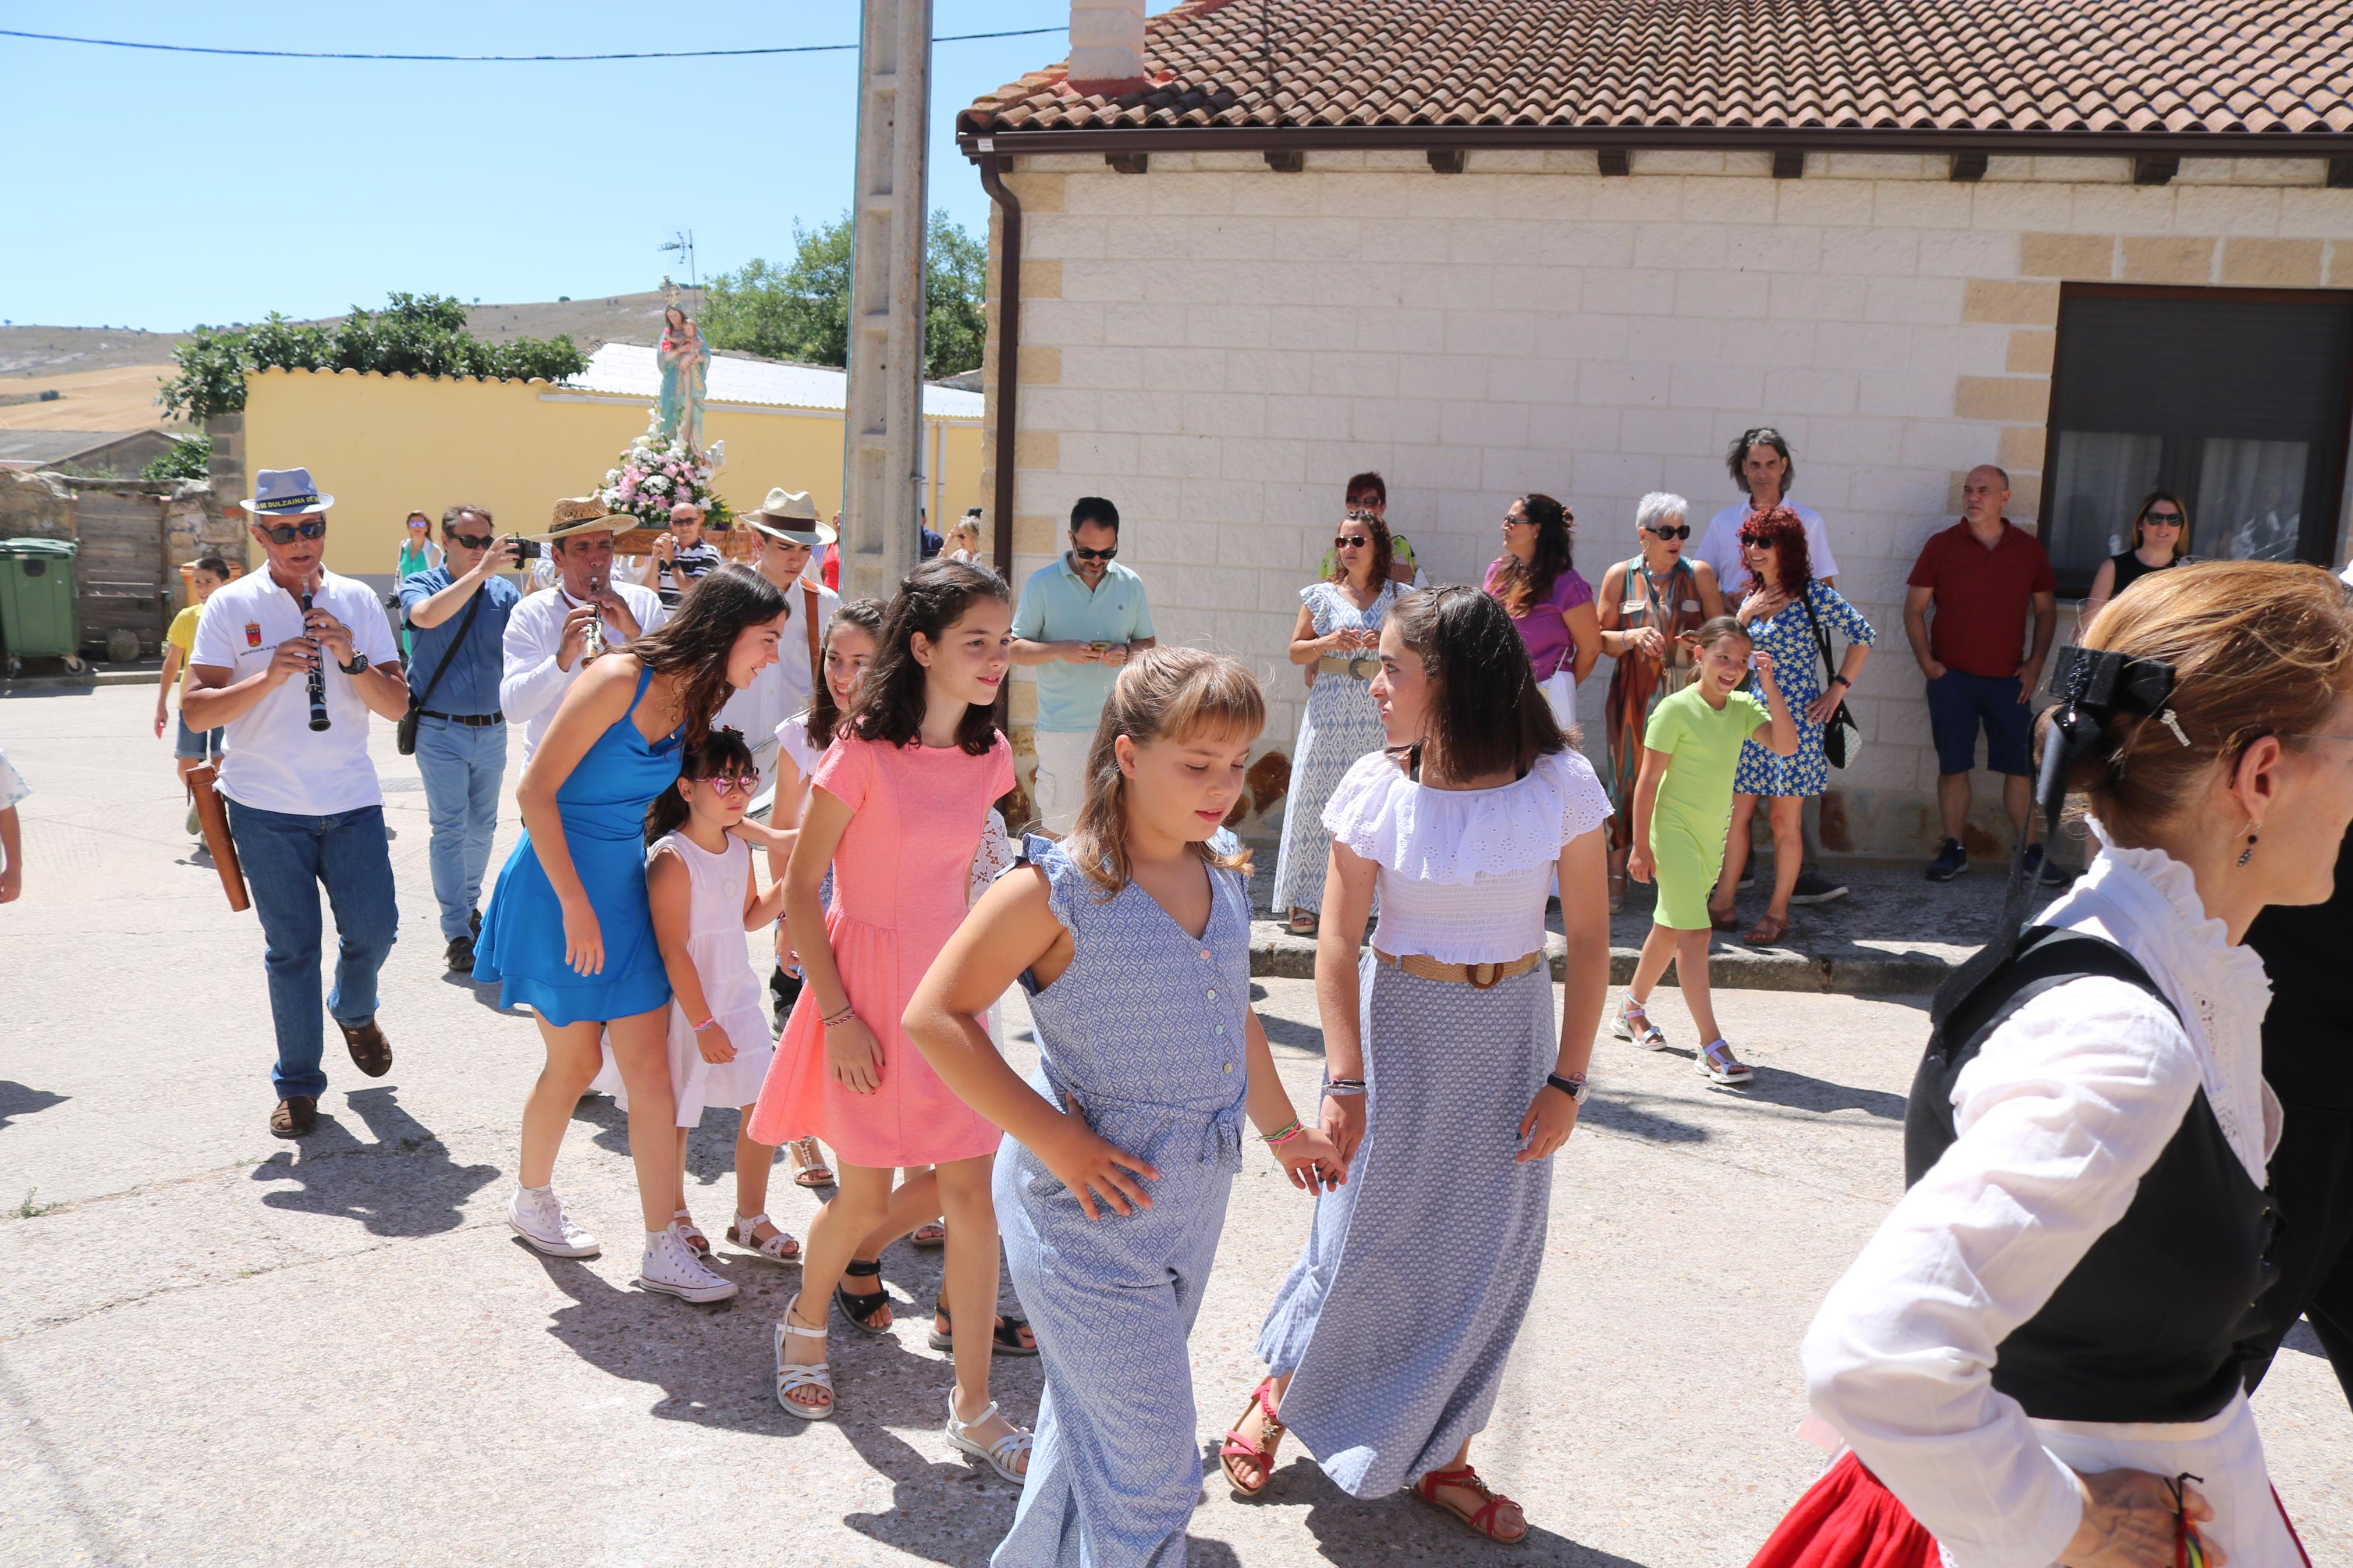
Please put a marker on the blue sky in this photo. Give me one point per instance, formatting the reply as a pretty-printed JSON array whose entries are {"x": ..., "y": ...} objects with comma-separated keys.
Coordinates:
[{"x": 180, "y": 189}]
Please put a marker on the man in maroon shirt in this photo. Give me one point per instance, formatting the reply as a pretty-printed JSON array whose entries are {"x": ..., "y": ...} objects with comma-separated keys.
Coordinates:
[{"x": 1982, "y": 576}]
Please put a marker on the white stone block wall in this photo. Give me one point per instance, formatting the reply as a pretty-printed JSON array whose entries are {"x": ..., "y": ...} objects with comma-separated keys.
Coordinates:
[{"x": 1216, "y": 346}]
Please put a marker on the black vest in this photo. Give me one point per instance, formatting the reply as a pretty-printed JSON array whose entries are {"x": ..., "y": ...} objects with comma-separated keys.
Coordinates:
[{"x": 2147, "y": 1326}]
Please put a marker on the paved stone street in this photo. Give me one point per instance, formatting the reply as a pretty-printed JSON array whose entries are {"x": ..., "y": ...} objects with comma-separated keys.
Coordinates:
[{"x": 218, "y": 1348}]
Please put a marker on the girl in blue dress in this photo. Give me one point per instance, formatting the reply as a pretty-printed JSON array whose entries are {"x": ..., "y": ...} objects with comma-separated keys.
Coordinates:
[
  {"x": 569, "y": 933},
  {"x": 1130, "y": 940}
]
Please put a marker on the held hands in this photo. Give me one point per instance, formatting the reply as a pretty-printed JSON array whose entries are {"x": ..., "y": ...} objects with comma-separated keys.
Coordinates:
[
  {"x": 714, "y": 1045},
  {"x": 584, "y": 940},
  {"x": 854, "y": 1056},
  {"x": 1343, "y": 1123},
  {"x": 1095, "y": 1169},
  {"x": 574, "y": 643},
  {"x": 1311, "y": 1160},
  {"x": 1551, "y": 1118},
  {"x": 2130, "y": 1521}
]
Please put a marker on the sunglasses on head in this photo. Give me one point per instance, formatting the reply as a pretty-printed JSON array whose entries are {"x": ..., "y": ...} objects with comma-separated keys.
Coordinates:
[
  {"x": 1350, "y": 540},
  {"x": 1682, "y": 530},
  {"x": 288, "y": 533},
  {"x": 732, "y": 783},
  {"x": 1083, "y": 553},
  {"x": 474, "y": 541}
]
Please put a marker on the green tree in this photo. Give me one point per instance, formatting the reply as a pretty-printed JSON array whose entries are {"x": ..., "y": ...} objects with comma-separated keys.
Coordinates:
[
  {"x": 415, "y": 334},
  {"x": 188, "y": 460},
  {"x": 801, "y": 311}
]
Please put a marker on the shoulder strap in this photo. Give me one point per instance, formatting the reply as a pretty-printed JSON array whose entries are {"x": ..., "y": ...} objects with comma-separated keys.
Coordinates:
[
  {"x": 465, "y": 624},
  {"x": 1821, "y": 638},
  {"x": 645, "y": 678}
]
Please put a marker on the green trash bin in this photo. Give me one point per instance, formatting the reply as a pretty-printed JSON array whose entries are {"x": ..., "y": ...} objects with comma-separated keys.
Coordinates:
[{"x": 40, "y": 614}]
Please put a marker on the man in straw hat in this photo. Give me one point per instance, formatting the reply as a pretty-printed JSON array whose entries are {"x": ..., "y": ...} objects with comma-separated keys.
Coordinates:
[
  {"x": 292, "y": 659},
  {"x": 789, "y": 534},
  {"x": 549, "y": 635}
]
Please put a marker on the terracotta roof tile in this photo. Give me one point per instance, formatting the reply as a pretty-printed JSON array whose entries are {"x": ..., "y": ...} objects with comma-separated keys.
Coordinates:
[{"x": 1946, "y": 66}]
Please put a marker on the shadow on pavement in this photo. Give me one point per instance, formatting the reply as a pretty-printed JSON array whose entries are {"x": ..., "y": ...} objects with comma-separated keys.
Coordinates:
[
  {"x": 1354, "y": 1533},
  {"x": 1308, "y": 1037},
  {"x": 1618, "y": 1113},
  {"x": 19, "y": 1100},
  {"x": 403, "y": 1184},
  {"x": 1779, "y": 1086}
]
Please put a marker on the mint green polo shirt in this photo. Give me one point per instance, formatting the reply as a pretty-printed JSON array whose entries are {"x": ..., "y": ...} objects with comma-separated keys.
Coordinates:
[{"x": 1057, "y": 608}]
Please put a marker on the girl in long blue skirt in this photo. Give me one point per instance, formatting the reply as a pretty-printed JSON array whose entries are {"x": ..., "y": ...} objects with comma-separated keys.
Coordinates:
[{"x": 1130, "y": 940}]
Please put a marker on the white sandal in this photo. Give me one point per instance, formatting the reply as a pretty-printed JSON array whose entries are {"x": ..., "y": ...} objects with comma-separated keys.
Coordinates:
[
  {"x": 692, "y": 1232},
  {"x": 779, "y": 1249},
  {"x": 1633, "y": 1024},
  {"x": 1014, "y": 1443},
  {"x": 1717, "y": 1064},
  {"x": 792, "y": 1376}
]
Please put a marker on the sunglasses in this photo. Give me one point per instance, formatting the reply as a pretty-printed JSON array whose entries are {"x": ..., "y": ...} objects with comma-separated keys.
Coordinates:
[
  {"x": 474, "y": 541},
  {"x": 2162, "y": 520},
  {"x": 1682, "y": 531},
  {"x": 288, "y": 533},
  {"x": 1751, "y": 541},
  {"x": 732, "y": 783},
  {"x": 1350, "y": 542},
  {"x": 1083, "y": 553}
]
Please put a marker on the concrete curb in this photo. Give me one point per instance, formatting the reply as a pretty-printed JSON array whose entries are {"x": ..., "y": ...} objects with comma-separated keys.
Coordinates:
[
  {"x": 1276, "y": 953},
  {"x": 28, "y": 686}
]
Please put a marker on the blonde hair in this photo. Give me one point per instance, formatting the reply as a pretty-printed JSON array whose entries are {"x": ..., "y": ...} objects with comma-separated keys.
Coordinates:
[
  {"x": 2257, "y": 648},
  {"x": 1162, "y": 694},
  {"x": 965, "y": 528}
]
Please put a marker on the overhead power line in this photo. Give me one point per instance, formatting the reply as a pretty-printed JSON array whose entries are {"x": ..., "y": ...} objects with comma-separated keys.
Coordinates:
[{"x": 480, "y": 59}]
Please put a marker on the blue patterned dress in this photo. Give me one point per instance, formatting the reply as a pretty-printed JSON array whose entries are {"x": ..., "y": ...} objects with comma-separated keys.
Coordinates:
[
  {"x": 1340, "y": 724},
  {"x": 1797, "y": 668},
  {"x": 1144, "y": 1031}
]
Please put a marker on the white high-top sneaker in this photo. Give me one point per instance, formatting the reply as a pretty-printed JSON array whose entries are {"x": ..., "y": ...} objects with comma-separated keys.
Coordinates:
[
  {"x": 672, "y": 1267},
  {"x": 539, "y": 1218}
]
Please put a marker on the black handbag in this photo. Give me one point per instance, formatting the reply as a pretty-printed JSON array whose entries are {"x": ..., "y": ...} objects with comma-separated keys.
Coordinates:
[
  {"x": 403, "y": 733},
  {"x": 1841, "y": 737}
]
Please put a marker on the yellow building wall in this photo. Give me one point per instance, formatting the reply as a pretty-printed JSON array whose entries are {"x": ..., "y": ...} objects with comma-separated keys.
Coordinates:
[{"x": 384, "y": 445}]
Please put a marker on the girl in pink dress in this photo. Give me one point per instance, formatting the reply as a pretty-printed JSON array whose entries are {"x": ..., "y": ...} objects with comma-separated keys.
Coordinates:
[{"x": 896, "y": 807}]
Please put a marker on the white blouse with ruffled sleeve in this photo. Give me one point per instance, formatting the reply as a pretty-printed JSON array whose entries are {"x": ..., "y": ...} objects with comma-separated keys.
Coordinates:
[{"x": 1464, "y": 873}]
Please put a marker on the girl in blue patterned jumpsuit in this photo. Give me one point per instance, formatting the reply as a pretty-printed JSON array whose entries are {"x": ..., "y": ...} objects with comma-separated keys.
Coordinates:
[{"x": 1130, "y": 940}]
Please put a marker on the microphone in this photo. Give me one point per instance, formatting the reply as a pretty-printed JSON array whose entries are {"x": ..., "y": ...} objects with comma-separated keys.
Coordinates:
[{"x": 318, "y": 719}]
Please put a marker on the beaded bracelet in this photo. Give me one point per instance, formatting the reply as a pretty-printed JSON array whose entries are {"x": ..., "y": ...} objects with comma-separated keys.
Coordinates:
[
  {"x": 1284, "y": 1134},
  {"x": 1342, "y": 1087}
]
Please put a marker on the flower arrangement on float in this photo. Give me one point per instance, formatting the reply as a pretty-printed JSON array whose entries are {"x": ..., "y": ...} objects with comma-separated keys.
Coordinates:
[{"x": 655, "y": 474}]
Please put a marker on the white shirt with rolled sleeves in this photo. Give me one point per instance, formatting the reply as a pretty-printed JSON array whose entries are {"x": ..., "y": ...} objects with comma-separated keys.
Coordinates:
[
  {"x": 2067, "y": 1106},
  {"x": 786, "y": 687},
  {"x": 272, "y": 760},
  {"x": 1720, "y": 545},
  {"x": 532, "y": 685}
]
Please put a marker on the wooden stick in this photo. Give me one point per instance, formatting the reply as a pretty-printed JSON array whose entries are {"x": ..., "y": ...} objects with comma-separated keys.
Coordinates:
[{"x": 213, "y": 817}]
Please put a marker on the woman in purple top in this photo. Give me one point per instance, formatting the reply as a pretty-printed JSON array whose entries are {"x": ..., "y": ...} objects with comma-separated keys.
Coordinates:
[{"x": 1550, "y": 604}]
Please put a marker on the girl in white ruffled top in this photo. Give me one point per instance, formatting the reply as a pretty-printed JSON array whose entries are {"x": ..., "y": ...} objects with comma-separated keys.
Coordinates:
[
  {"x": 1450, "y": 1088},
  {"x": 2037, "y": 1354}
]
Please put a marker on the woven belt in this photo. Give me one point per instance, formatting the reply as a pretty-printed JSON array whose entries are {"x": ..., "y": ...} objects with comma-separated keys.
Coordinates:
[
  {"x": 1360, "y": 667},
  {"x": 472, "y": 721},
  {"x": 1478, "y": 976}
]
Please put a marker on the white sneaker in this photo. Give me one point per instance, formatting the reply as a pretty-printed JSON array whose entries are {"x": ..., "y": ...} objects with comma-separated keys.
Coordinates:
[
  {"x": 672, "y": 1267},
  {"x": 539, "y": 1218}
]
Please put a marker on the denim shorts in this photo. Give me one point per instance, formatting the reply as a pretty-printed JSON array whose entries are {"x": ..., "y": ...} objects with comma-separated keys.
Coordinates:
[
  {"x": 1958, "y": 702},
  {"x": 196, "y": 745}
]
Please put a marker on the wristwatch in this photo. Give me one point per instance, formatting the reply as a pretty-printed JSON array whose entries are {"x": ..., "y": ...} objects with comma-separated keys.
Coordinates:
[
  {"x": 357, "y": 667},
  {"x": 1570, "y": 1084}
]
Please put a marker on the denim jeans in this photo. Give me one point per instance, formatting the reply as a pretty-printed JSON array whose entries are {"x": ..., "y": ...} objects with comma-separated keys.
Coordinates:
[
  {"x": 463, "y": 769},
  {"x": 286, "y": 858}
]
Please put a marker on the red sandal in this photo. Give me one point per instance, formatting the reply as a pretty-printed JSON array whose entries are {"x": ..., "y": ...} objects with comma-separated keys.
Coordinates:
[
  {"x": 1234, "y": 1448},
  {"x": 1482, "y": 1523}
]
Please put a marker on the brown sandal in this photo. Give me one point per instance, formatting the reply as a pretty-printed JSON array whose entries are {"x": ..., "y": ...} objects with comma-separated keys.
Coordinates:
[
  {"x": 1725, "y": 917},
  {"x": 1234, "y": 1448},
  {"x": 1481, "y": 1524},
  {"x": 1768, "y": 931}
]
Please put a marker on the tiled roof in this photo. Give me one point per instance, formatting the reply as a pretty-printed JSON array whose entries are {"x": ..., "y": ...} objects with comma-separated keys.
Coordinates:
[
  {"x": 2115, "y": 66},
  {"x": 629, "y": 369}
]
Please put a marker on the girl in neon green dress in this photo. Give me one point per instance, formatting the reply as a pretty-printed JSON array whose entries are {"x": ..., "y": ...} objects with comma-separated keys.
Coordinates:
[{"x": 1682, "y": 805}]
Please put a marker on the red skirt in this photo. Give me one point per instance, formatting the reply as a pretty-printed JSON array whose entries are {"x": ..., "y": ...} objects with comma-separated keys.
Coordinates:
[{"x": 1847, "y": 1520}]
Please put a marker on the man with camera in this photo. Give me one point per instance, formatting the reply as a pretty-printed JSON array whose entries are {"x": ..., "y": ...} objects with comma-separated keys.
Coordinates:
[
  {"x": 1078, "y": 620},
  {"x": 552, "y": 633},
  {"x": 292, "y": 659},
  {"x": 457, "y": 616},
  {"x": 680, "y": 558}
]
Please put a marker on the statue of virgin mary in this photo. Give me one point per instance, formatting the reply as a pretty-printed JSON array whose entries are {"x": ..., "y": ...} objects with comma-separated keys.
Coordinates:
[{"x": 685, "y": 359}]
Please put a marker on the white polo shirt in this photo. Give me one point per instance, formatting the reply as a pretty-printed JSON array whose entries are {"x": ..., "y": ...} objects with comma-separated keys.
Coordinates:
[
  {"x": 1720, "y": 545},
  {"x": 532, "y": 684},
  {"x": 272, "y": 760},
  {"x": 786, "y": 687}
]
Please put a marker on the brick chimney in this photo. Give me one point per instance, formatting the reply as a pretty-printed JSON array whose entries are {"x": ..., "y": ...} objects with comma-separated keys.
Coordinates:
[{"x": 1107, "y": 46}]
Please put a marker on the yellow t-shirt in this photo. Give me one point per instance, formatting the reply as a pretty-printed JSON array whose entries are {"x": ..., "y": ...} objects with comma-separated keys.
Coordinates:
[{"x": 182, "y": 635}]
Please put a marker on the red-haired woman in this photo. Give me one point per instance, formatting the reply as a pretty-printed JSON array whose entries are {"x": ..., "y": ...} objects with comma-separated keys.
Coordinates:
[{"x": 1789, "y": 614}]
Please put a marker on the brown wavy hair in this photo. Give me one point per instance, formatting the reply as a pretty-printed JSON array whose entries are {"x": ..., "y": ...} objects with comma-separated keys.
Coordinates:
[
  {"x": 692, "y": 645},
  {"x": 1384, "y": 548},
  {"x": 824, "y": 713},
  {"x": 1782, "y": 529},
  {"x": 890, "y": 701},
  {"x": 2258, "y": 647},
  {"x": 1487, "y": 714},
  {"x": 1162, "y": 694},
  {"x": 1523, "y": 583}
]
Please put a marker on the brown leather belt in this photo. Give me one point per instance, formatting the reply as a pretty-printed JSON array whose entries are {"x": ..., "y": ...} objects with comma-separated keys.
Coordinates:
[
  {"x": 1362, "y": 665},
  {"x": 1478, "y": 976}
]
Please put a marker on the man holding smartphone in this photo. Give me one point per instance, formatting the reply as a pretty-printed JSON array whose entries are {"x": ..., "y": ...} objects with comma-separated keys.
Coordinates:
[
  {"x": 1078, "y": 621},
  {"x": 457, "y": 616}
]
